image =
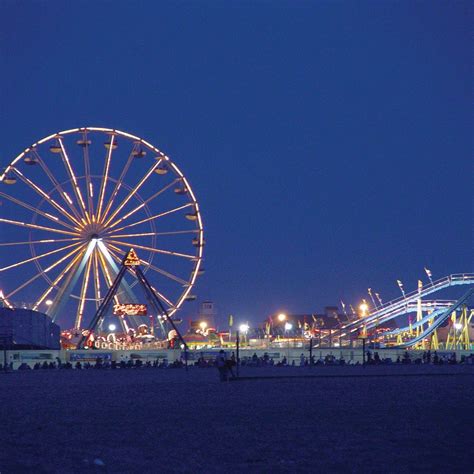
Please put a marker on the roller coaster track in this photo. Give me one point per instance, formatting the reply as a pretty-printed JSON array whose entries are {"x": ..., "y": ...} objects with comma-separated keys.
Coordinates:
[
  {"x": 399, "y": 306},
  {"x": 440, "y": 310},
  {"x": 443, "y": 315}
]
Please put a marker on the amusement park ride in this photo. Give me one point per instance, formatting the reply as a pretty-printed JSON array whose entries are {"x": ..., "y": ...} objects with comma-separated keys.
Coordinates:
[
  {"x": 78, "y": 205},
  {"x": 430, "y": 316},
  {"x": 73, "y": 205}
]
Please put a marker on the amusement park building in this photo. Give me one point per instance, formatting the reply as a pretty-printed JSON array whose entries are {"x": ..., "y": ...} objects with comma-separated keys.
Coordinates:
[{"x": 27, "y": 329}]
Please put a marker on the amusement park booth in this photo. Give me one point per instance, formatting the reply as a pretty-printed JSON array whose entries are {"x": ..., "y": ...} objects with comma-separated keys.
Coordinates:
[{"x": 27, "y": 329}]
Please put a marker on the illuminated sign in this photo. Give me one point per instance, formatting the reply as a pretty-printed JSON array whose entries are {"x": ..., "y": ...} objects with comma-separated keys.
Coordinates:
[
  {"x": 130, "y": 309},
  {"x": 131, "y": 260}
]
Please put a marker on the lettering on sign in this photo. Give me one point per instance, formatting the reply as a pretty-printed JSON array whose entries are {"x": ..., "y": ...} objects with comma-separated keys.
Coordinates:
[
  {"x": 130, "y": 309},
  {"x": 131, "y": 260}
]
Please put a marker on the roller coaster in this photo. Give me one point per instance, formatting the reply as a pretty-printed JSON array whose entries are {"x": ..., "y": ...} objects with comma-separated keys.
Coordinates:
[{"x": 430, "y": 316}]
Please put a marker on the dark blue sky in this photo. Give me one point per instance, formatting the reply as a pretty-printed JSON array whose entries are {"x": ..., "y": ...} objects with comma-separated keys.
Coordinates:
[{"x": 329, "y": 143}]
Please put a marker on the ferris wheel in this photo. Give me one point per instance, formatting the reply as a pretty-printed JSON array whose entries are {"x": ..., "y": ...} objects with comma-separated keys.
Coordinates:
[{"x": 74, "y": 203}]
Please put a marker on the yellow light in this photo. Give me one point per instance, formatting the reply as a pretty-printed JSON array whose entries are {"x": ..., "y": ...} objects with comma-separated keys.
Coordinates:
[
  {"x": 48, "y": 302},
  {"x": 364, "y": 307},
  {"x": 282, "y": 317},
  {"x": 203, "y": 325}
]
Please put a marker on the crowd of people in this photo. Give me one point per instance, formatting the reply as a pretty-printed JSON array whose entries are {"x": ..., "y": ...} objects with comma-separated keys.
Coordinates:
[
  {"x": 226, "y": 363},
  {"x": 100, "y": 364},
  {"x": 433, "y": 358}
]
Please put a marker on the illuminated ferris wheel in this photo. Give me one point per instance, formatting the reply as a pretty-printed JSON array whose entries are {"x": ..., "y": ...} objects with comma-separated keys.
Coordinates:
[{"x": 74, "y": 203}]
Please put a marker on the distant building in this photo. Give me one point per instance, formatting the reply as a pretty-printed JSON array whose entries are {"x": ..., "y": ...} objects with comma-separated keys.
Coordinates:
[
  {"x": 331, "y": 319},
  {"x": 208, "y": 313},
  {"x": 27, "y": 329}
]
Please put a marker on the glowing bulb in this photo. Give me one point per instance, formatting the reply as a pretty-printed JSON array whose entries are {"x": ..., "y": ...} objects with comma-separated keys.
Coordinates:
[
  {"x": 203, "y": 325},
  {"x": 281, "y": 317},
  {"x": 48, "y": 302},
  {"x": 112, "y": 327},
  {"x": 288, "y": 326},
  {"x": 244, "y": 327}
]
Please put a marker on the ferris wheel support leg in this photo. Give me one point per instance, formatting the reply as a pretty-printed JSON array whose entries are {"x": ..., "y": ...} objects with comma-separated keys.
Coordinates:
[
  {"x": 115, "y": 269},
  {"x": 65, "y": 291},
  {"x": 155, "y": 297},
  {"x": 99, "y": 315}
]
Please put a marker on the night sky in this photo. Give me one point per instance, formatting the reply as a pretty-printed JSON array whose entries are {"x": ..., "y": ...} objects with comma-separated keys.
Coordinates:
[{"x": 328, "y": 143}]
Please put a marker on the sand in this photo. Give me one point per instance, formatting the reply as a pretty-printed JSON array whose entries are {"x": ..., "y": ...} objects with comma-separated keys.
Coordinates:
[{"x": 170, "y": 420}]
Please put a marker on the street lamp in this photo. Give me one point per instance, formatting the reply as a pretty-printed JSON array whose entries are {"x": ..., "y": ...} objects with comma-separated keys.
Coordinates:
[
  {"x": 288, "y": 328},
  {"x": 244, "y": 328},
  {"x": 363, "y": 307}
]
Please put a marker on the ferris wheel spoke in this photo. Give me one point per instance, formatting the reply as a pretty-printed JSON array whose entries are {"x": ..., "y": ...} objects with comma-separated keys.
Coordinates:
[
  {"x": 72, "y": 175},
  {"x": 166, "y": 274},
  {"x": 75, "y": 261},
  {"x": 151, "y": 249},
  {"x": 161, "y": 295},
  {"x": 64, "y": 196},
  {"x": 26, "y": 283},
  {"x": 157, "y": 216},
  {"x": 105, "y": 272},
  {"x": 45, "y": 241},
  {"x": 48, "y": 199},
  {"x": 152, "y": 234},
  {"x": 31, "y": 280},
  {"x": 85, "y": 284},
  {"x": 144, "y": 203},
  {"x": 38, "y": 257},
  {"x": 37, "y": 211},
  {"x": 105, "y": 177},
  {"x": 151, "y": 266},
  {"x": 98, "y": 297},
  {"x": 87, "y": 170},
  {"x": 133, "y": 192},
  {"x": 119, "y": 182},
  {"x": 38, "y": 227}
]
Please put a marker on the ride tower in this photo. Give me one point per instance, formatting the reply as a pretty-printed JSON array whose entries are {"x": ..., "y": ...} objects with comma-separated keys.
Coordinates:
[{"x": 131, "y": 265}]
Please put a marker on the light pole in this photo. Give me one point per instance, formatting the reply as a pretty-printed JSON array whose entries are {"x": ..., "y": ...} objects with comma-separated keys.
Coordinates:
[
  {"x": 363, "y": 307},
  {"x": 288, "y": 328},
  {"x": 237, "y": 348}
]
